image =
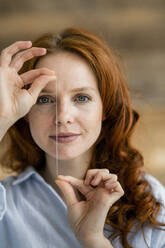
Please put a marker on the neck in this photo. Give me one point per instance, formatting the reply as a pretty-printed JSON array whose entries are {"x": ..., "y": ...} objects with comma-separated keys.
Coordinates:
[{"x": 76, "y": 167}]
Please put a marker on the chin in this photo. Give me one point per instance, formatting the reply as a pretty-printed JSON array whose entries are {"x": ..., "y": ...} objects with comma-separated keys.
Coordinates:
[
  {"x": 69, "y": 153},
  {"x": 67, "y": 157}
]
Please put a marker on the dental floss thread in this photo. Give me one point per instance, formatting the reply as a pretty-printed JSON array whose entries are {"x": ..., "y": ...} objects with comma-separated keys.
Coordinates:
[{"x": 57, "y": 170}]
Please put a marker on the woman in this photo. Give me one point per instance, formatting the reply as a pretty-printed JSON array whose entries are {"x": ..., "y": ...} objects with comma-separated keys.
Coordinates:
[{"x": 70, "y": 120}]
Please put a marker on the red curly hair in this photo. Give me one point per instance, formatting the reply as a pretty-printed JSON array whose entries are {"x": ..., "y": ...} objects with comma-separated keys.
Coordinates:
[{"x": 113, "y": 149}]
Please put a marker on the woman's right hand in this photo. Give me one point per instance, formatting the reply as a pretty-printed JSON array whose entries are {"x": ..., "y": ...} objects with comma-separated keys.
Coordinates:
[{"x": 16, "y": 102}]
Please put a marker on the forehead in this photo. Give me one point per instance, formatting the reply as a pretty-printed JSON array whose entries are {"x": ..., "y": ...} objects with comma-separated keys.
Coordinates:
[{"x": 70, "y": 69}]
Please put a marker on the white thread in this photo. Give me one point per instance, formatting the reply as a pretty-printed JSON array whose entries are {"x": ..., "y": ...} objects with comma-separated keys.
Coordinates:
[{"x": 56, "y": 101}]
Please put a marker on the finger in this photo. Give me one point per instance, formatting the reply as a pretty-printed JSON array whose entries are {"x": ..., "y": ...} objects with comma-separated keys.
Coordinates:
[
  {"x": 103, "y": 201},
  {"x": 91, "y": 174},
  {"x": 102, "y": 177},
  {"x": 8, "y": 52},
  {"x": 68, "y": 192},
  {"x": 20, "y": 58},
  {"x": 38, "y": 85},
  {"x": 106, "y": 201},
  {"x": 116, "y": 193},
  {"x": 118, "y": 189},
  {"x": 110, "y": 185},
  {"x": 97, "y": 179},
  {"x": 77, "y": 183},
  {"x": 31, "y": 75}
]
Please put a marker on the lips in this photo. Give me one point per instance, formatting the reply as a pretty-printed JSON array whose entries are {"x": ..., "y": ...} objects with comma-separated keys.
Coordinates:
[{"x": 65, "y": 137}]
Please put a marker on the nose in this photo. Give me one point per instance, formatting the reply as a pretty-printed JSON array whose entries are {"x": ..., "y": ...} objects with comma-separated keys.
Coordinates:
[{"x": 64, "y": 113}]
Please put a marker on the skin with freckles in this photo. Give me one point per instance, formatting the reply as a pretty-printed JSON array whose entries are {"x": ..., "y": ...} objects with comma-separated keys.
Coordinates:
[{"x": 79, "y": 112}]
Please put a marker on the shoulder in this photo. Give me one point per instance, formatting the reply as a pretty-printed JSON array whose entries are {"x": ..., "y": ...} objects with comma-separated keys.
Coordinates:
[
  {"x": 12, "y": 186},
  {"x": 148, "y": 235},
  {"x": 158, "y": 190},
  {"x": 154, "y": 235}
]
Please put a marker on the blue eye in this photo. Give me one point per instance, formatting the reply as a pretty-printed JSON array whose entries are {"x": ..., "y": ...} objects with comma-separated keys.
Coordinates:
[
  {"x": 82, "y": 98},
  {"x": 44, "y": 99}
]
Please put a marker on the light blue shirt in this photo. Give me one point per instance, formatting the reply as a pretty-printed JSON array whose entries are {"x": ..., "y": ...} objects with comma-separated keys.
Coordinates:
[{"x": 33, "y": 215}]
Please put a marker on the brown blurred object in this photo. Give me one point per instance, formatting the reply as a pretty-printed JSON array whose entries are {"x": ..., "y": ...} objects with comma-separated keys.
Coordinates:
[
  {"x": 133, "y": 28},
  {"x": 149, "y": 139}
]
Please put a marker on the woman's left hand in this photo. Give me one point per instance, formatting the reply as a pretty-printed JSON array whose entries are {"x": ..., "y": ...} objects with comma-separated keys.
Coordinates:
[{"x": 87, "y": 217}]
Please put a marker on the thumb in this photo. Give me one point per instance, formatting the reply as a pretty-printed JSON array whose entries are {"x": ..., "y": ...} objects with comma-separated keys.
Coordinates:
[
  {"x": 38, "y": 84},
  {"x": 68, "y": 192}
]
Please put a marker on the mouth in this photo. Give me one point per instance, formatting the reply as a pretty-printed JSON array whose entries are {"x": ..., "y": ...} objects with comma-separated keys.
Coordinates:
[{"x": 65, "y": 138}]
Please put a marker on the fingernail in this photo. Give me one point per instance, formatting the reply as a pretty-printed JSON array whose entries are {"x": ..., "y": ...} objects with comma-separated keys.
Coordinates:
[
  {"x": 64, "y": 178},
  {"x": 53, "y": 72},
  {"x": 61, "y": 176},
  {"x": 44, "y": 50},
  {"x": 29, "y": 42}
]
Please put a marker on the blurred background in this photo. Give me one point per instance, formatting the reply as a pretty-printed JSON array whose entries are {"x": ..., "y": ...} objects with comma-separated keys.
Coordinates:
[{"x": 134, "y": 29}]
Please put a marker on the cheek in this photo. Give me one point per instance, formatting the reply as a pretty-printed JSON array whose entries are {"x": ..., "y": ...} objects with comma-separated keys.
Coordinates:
[
  {"x": 37, "y": 123},
  {"x": 95, "y": 115},
  {"x": 92, "y": 120}
]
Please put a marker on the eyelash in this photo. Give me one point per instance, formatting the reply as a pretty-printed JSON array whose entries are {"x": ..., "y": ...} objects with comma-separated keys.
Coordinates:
[{"x": 88, "y": 99}]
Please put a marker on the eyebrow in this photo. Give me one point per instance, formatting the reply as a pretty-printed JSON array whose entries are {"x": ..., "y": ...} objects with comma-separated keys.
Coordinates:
[{"x": 73, "y": 90}]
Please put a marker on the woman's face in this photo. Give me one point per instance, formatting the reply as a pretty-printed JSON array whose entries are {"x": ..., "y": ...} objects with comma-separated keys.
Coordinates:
[{"x": 78, "y": 104}]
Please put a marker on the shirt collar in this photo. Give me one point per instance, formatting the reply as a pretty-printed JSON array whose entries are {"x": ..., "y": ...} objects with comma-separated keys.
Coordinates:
[
  {"x": 30, "y": 171},
  {"x": 26, "y": 174}
]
